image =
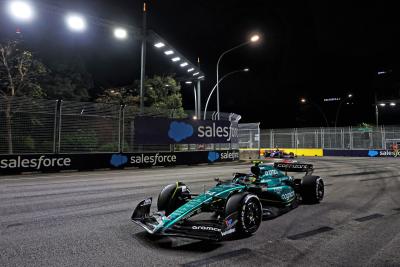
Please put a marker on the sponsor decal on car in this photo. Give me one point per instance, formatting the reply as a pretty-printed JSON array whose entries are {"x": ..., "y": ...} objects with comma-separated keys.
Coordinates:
[
  {"x": 206, "y": 228},
  {"x": 292, "y": 166},
  {"x": 147, "y": 202},
  {"x": 288, "y": 196},
  {"x": 230, "y": 231}
]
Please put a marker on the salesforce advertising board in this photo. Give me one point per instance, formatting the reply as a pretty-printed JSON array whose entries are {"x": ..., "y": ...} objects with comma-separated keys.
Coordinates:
[
  {"x": 149, "y": 130},
  {"x": 49, "y": 162}
]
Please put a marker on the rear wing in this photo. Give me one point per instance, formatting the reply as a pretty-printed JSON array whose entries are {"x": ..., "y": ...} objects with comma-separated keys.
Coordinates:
[{"x": 294, "y": 167}]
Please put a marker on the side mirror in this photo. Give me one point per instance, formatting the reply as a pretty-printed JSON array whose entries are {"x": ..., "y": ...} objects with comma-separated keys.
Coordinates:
[{"x": 217, "y": 180}]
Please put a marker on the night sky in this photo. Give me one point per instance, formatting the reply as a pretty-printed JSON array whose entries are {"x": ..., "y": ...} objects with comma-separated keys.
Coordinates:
[{"x": 312, "y": 49}]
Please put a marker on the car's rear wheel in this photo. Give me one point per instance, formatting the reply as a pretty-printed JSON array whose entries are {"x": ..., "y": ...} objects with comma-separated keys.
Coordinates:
[
  {"x": 250, "y": 215},
  {"x": 312, "y": 189},
  {"x": 172, "y": 197}
]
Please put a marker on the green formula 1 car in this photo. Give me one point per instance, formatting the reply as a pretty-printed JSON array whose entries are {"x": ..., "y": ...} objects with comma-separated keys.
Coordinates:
[{"x": 236, "y": 206}]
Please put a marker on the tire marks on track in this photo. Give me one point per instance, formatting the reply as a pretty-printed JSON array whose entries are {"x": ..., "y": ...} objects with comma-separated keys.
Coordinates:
[
  {"x": 369, "y": 217},
  {"x": 220, "y": 257},
  {"x": 310, "y": 233}
]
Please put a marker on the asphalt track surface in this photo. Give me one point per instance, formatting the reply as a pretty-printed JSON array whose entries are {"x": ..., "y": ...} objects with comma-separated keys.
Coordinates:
[{"x": 83, "y": 219}]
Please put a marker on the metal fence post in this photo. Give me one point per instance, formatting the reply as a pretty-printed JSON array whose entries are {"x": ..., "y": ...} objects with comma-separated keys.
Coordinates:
[
  {"x": 59, "y": 127},
  {"x": 123, "y": 128},
  {"x": 259, "y": 140},
  {"x": 315, "y": 138},
  {"x": 351, "y": 136},
  {"x": 342, "y": 137},
  {"x": 322, "y": 138},
  {"x": 292, "y": 137},
  {"x": 55, "y": 127},
  {"x": 120, "y": 121},
  {"x": 271, "y": 137}
]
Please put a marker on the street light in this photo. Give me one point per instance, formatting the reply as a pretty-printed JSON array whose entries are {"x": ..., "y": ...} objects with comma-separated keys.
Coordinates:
[
  {"x": 21, "y": 10},
  {"x": 120, "y": 33},
  {"x": 304, "y": 100},
  {"x": 253, "y": 39},
  {"x": 76, "y": 22},
  {"x": 391, "y": 102},
  {"x": 216, "y": 86},
  {"x": 349, "y": 96}
]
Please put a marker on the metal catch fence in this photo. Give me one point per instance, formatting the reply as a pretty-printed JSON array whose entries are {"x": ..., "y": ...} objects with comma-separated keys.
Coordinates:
[
  {"x": 327, "y": 138},
  {"x": 51, "y": 126}
]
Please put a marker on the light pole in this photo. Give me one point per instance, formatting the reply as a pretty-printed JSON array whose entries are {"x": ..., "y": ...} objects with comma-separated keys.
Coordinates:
[
  {"x": 349, "y": 96},
  {"x": 391, "y": 103},
  {"x": 216, "y": 86},
  {"x": 143, "y": 57},
  {"x": 253, "y": 39},
  {"x": 304, "y": 101}
]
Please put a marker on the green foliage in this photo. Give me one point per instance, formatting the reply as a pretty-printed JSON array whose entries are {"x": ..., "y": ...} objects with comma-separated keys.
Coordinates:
[
  {"x": 68, "y": 80},
  {"x": 162, "y": 95},
  {"x": 80, "y": 141},
  {"x": 365, "y": 127},
  {"x": 26, "y": 144},
  {"x": 113, "y": 147},
  {"x": 20, "y": 71},
  {"x": 121, "y": 96}
]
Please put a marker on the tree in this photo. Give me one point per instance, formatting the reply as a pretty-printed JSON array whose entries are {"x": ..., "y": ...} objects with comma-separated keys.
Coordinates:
[
  {"x": 20, "y": 73},
  {"x": 68, "y": 80},
  {"x": 162, "y": 95},
  {"x": 126, "y": 95}
]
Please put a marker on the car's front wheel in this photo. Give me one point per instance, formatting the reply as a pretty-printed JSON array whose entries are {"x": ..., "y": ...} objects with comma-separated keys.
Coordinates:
[
  {"x": 172, "y": 197},
  {"x": 250, "y": 215}
]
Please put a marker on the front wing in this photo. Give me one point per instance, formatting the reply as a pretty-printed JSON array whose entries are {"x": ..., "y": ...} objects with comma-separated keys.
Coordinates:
[{"x": 213, "y": 230}]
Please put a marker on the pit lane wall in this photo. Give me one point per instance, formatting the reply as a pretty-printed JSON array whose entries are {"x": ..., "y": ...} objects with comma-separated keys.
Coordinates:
[{"x": 57, "y": 162}]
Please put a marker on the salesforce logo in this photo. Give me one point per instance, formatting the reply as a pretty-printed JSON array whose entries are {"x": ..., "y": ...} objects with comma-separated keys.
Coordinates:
[
  {"x": 373, "y": 153},
  {"x": 179, "y": 131},
  {"x": 213, "y": 156},
  {"x": 118, "y": 160}
]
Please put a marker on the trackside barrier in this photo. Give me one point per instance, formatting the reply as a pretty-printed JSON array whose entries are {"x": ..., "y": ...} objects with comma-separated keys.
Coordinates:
[
  {"x": 363, "y": 153},
  {"x": 58, "y": 162}
]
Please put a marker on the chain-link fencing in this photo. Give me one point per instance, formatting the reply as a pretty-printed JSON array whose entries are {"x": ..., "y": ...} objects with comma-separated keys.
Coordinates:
[
  {"x": 327, "y": 138},
  {"x": 27, "y": 125},
  {"x": 51, "y": 126}
]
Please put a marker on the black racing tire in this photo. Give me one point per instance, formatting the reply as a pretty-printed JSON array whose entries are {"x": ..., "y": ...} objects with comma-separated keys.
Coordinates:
[
  {"x": 250, "y": 215},
  {"x": 171, "y": 198},
  {"x": 312, "y": 189}
]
